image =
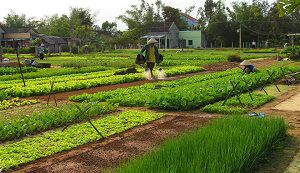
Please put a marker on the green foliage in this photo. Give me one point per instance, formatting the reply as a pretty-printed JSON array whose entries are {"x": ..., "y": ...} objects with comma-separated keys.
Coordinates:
[
  {"x": 43, "y": 73},
  {"x": 8, "y": 50},
  {"x": 182, "y": 70},
  {"x": 16, "y": 70},
  {"x": 15, "y": 102},
  {"x": 41, "y": 86},
  {"x": 74, "y": 50},
  {"x": 232, "y": 144},
  {"x": 233, "y": 106},
  {"x": 49, "y": 119},
  {"x": 14, "y": 20},
  {"x": 185, "y": 94},
  {"x": 288, "y": 6},
  {"x": 234, "y": 58},
  {"x": 171, "y": 14},
  {"x": 30, "y": 149},
  {"x": 292, "y": 53}
]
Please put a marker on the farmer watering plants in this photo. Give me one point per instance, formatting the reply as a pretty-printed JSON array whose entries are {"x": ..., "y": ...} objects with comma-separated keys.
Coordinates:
[
  {"x": 248, "y": 67},
  {"x": 152, "y": 56}
]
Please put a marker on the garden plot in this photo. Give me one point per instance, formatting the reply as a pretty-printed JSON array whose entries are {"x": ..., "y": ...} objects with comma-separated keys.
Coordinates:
[{"x": 291, "y": 104}]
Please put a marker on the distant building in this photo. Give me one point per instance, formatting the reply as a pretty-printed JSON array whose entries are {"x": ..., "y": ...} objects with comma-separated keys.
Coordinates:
[
  {"x": 192, "y": 39},
  {"x": 11, "y": 36},
  {"x": 191, "y": 21},
  {"x": 169, "y": 36},
  {"x": 54, "y": 43}
]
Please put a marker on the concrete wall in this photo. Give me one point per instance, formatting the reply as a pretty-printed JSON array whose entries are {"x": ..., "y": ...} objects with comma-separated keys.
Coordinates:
[
  {"x": 195, "y": 37},
  {"x": 173, "y": 36}
]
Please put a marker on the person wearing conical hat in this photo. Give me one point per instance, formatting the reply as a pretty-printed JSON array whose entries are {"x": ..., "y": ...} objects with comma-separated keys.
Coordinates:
[
  {"x": 151, "y": 55},
  {"x": 248, "y": 67}
]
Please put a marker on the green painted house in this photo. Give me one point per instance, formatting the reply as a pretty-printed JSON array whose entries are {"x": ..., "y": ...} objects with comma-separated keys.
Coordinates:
[
  {"x": 169, "y": 36},
  {"x": 192, "y": 39}
]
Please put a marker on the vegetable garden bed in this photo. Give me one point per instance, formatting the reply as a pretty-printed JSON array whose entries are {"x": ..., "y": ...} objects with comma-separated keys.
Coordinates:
[
  {"x": 32, "y": 148},
  {"x": 189, "y": 93},
  {"x": 232, "y": 144}
]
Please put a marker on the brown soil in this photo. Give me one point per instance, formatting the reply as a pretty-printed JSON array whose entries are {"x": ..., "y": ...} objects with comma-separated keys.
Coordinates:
[
  {"x": 291, "y": 117},
  {"x": 110, "y": 152},
  {"x": 209, "y": 69},
  {"x": 282, "y": 157}
]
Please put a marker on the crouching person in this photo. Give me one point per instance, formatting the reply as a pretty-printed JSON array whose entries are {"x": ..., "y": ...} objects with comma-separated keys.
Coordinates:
[{"x": 248, "y": 67}]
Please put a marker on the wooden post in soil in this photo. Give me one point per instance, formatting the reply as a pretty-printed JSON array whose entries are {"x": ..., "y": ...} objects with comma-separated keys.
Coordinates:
[
  {"x": 248, "y": 88},
  {"x": 83, "y": 112},
  {"x": 51, "y": 93},
  {"x": 270, "y": 76},
  {"x": 20, "y": 67},
  {"x": 262, "y": 88},
  {"x": 233, "y": 89}
]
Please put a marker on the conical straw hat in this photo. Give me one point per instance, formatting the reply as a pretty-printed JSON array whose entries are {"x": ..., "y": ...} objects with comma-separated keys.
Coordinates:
[
  {"x": 245, "y": 62},
  {"x": 152, "y": 40}
]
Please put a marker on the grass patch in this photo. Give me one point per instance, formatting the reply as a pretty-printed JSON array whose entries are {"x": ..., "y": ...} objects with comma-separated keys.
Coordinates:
[{"x": 232, "y": 144}]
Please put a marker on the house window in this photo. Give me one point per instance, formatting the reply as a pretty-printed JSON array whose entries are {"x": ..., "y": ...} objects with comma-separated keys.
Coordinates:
[{"x": 190, "y": 42}]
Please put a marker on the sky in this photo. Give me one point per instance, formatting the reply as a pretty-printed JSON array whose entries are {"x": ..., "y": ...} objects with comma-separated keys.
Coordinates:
[{"x": 105, "y": 10}]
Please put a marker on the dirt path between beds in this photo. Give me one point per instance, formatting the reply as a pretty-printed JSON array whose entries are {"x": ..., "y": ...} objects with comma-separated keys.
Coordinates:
[
  {"x": 108, "y": 153},
  {"x": 284, "y": 158}
]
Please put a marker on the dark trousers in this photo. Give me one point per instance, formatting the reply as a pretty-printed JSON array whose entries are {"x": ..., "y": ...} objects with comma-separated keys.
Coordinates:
[
  {"x": 150, "y": 65},
  {"x": 41, "y": 56}
]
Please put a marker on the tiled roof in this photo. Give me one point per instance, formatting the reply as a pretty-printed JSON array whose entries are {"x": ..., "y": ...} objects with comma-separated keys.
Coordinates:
[
  {"x": 16, "y": 30},
  {"x": 161, "y": 27},
  {"x": 189, "y": 17}
]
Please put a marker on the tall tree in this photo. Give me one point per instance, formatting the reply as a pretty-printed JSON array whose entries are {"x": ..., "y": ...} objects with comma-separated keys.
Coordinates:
[
  {"x": 171, "y": 14},
  {"x": 139, "y": 19},
  {"x": 81, "y": 22},
  {"x": 288, "y": 6},
  {"x": 109, "y": 27},
  {"x": 14, "y": 20},
  {"x": 218, "y": 26}
]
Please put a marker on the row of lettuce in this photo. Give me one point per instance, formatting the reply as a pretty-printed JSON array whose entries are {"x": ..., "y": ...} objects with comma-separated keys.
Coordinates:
[
  {"x": 41, "y": 86},
  {"x": 29, "y": 149},
  {"x": 189, "y": 93},
  {"x": 16, "y": 102}
]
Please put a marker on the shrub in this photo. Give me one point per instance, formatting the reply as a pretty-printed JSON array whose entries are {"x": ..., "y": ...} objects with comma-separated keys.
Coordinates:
[
  {"x": 74, "y": 50},
  {"x": 234, "y": 58},
  {"x": 65, "y": 49},
  {"x": 293, "y": 53},
  {"x": 27, "y": 50}
]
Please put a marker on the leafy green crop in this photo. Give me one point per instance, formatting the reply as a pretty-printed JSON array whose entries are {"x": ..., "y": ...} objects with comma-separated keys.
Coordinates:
[
  {"x": 232, "y": 144},
  {"x": 15, "y": 102},
  {"x": 233, "y": 106},
  {"x": 41, "y": 86},
  {"x": 48, "y": 119},
  {"x": 186, "y": 94},
  {"x": 33, "y": 148},
  {"x": 14, "y": 70},
  {"x": 42, "y": 73}
]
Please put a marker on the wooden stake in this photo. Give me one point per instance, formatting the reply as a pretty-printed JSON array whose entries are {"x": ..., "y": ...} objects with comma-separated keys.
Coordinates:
[
  {"x": 51, "y": 93},
  {"x": 21, "y": 71},
  {"x": 234, "y": 87}
]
